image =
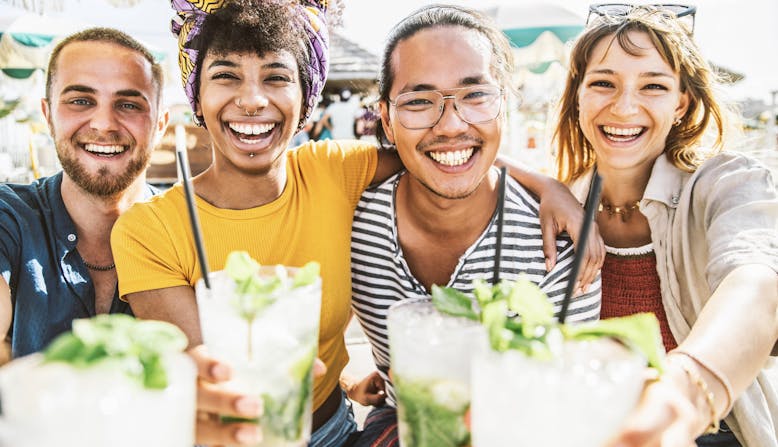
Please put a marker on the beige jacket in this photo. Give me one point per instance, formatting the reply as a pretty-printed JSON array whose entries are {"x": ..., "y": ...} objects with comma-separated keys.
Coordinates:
[{"x": 704, "y": 225}]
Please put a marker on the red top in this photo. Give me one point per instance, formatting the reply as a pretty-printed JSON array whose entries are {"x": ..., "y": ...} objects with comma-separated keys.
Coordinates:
[{"x": 630, "y": 285}]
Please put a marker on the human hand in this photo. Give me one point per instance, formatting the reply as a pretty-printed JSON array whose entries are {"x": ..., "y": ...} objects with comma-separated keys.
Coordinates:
[
  {"x": 667, "y": 415},
  {"x": 561, "y": 212},
  {"x": 371, "y": 390},
  {"x": 213, "y": 400}
]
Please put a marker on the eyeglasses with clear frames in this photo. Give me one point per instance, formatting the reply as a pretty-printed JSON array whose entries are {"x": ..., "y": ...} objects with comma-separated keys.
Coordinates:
[
  {"x": 685, "y": 13},
  {"x": 475, "y": 104}
]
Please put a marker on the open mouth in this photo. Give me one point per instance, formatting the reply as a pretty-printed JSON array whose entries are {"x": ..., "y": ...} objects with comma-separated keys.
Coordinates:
[
  {"x": 622, "y": 134},
  {"x": 251, "y": 133},
  {"x": 452, "y": 158},
  {"x": 104, "y": 150}
]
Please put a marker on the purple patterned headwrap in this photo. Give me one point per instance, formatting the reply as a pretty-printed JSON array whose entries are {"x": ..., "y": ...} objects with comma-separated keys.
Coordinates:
[{"x": 188, "y": 22}]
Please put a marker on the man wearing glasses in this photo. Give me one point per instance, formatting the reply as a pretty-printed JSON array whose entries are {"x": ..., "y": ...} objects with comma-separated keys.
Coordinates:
[{"x": 449, "y": 218}]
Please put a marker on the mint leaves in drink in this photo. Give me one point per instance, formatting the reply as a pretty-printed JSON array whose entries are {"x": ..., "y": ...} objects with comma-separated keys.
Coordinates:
[
  {"x": 255, "y": 292},
  {"x": 518, "y": 315},
  {"x": 435, "y": 412},
  {"x": 135, "y": 347}
]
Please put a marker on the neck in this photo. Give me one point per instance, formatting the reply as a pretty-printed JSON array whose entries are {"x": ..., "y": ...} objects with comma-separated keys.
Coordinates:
[
  {"x": 445, "y": 217},
  {"x": 94, "y": 216},
  {"x": 235, "y": 189},
  {"x": 623, "y": 187}
]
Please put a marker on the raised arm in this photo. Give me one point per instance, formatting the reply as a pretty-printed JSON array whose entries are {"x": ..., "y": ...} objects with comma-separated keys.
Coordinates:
[
  {"x": 727, "y": 346},
  {"x": 560, "y": 212}
]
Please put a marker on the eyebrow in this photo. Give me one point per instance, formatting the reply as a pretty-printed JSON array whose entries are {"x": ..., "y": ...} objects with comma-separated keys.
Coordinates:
[
  {"x": 78, "y": 88},
  {"x": 464, "y": 82},
  {"x": 130, "y": 92},
  {"x": 231, "y": 64},
  {"x": 647, "y": 74}
]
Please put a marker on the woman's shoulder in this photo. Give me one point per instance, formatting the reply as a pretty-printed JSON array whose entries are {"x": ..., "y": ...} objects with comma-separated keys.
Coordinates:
[
  {"x": 728, "y": 164},
  {"x": 167, "y": 202}
]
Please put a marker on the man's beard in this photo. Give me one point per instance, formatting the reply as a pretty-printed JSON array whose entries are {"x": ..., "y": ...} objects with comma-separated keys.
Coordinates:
[{"x": 102, "y": 183}]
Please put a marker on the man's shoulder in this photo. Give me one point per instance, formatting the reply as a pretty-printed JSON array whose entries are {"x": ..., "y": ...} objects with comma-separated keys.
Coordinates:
[
  {"x": 517, "y": 197},
  {"x": 380, "y": 194},
  {"x": 38, "y": 196}
]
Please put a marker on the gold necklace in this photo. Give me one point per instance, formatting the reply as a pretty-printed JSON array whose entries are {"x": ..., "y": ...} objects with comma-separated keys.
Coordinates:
[{"x": 624, "y": 211}]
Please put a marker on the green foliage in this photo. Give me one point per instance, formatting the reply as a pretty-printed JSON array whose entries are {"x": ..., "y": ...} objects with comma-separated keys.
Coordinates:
[
  {"x": 519, "y": 316},
  {"x": 135, "y": 347}
]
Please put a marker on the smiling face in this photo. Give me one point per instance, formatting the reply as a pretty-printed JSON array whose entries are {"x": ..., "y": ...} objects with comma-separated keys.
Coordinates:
[
  {"x": 451, "y": 158},
  {"x": 627, "y": 104},
  {"x": 103, "y": 115},
  {"x": 251, "y": 105}
]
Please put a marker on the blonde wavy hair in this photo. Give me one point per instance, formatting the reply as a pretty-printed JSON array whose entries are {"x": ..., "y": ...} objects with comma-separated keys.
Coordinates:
[{"x": 575, "y": 154}]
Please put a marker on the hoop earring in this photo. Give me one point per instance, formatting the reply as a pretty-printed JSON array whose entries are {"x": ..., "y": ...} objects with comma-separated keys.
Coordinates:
[{"x": 677, "y": 122}]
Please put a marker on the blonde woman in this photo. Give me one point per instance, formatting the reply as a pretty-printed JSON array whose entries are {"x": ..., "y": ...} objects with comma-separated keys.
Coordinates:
[{"x": 691, "y": 233}]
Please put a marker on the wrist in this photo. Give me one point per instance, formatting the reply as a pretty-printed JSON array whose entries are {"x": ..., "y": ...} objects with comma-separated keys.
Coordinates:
[{"x": 691, "y": 378}]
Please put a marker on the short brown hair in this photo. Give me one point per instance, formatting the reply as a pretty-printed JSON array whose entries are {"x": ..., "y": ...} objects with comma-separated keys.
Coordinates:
[{"x": 108, "y": 35}]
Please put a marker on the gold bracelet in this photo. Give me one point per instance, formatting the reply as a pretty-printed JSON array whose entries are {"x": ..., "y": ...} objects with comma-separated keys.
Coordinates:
[
  {"x": 700, "y": 383},
  {"x": 715, "y": 373}
]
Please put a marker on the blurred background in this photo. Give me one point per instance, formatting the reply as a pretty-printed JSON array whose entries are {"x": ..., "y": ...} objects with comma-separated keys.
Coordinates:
[{"x": 739, "y": 37}]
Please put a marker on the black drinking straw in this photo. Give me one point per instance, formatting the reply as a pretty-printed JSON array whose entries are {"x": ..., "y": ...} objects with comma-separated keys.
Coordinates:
[
  {"x": 591, "y": 206},
  {"x": 183, "y": 164},
  {"x": 500, "y": 223}
]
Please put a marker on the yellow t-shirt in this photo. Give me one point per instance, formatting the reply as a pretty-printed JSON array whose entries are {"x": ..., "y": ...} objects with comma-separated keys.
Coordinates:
[{"x": 311, "y": 221}]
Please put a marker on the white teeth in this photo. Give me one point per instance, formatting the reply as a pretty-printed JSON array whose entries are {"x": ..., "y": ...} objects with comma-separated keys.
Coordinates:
[
  {"x": 631, "y": 131},
  {"x": 454, "y": 158},
  {"x": 247, "y": 141},
  {"x": 103, "y": 149},
  {"x": 252, "y": 129}
]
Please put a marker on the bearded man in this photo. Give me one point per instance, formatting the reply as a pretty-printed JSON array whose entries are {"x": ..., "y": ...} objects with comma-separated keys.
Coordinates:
[{"x": 102, "y": 105}]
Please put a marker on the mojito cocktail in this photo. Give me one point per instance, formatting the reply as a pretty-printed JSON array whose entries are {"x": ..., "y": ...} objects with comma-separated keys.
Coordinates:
[
  {"x": 578, "y": 398},
  {"x": 542, "y": 383},
  {"x": 114, "y": 381},
  {"x": 264, "y": 322},
  {"x": 430, "y": 357}
]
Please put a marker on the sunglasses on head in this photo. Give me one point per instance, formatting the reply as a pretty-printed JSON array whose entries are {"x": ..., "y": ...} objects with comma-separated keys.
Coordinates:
[{"x": 685, "y": 13}]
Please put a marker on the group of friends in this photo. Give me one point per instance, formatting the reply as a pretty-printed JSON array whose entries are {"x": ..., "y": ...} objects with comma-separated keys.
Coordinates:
[{"x": 691, "y": 233}]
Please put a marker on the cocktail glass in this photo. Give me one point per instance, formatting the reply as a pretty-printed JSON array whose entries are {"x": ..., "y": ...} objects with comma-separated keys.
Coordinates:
[
  {"x": 271, "y": 350},
  {"x": 58, "y": 404},
  {"x": 430, "y": 357},
  {"x": 579, "y": 398}
]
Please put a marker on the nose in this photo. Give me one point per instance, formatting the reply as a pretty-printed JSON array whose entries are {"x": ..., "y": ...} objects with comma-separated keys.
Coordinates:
[
  {"x": 625, "y": 103},
  {"x": 251, "y": 99},
  {"x": 104, "y": 118},
  {"x": 450, "y": 123}
]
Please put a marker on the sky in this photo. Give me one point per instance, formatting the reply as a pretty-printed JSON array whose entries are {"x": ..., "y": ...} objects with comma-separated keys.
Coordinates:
[{"x": 741, "y": 35}]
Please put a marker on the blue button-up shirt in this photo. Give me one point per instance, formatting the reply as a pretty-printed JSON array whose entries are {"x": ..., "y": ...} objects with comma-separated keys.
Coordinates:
[{"x": 50, "y": 285}]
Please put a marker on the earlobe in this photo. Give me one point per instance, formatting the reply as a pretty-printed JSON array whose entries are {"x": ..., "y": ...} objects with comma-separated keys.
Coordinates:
[
  {"x": 683, "y": 106},
  {"x": 45, "y": 108},
  {"x": 386, "y": 123}
]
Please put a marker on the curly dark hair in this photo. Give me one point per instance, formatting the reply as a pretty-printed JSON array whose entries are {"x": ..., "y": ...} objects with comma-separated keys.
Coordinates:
[{"x": 254, "y": 26}]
